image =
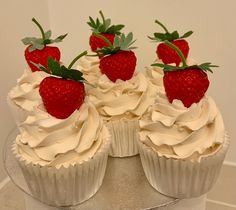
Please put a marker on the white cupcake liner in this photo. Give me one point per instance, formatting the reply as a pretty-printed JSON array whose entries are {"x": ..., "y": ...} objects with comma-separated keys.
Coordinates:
[
  {"x": 65, "y": 186},
  {"x": 19, "y": 114},
  {"x": 124, "y": 136},
  {"x": 182, "y": 178}
]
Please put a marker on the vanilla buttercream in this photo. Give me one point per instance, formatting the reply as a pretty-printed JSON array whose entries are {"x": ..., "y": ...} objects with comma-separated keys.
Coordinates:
[
  {"x": 89, "y": 66},
  {"x": 155, "y": 75},
  {"x": 26, "y": 92},
  {"x": 46, "y": 140},
  {"x": 123, "y": 99},
  {"x": 175, "y": 131}
]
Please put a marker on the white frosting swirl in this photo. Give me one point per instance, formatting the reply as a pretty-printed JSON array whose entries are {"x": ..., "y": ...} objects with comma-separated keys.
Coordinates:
[
  {"x": 176, "y": 131},
  {"x": 123, "y": 99},
  {"x": 26, "y": 93},
  {"x": 89, "y": 66},
  {"x": 155, "y": 75},
  {"x": 46, "y": 140}
]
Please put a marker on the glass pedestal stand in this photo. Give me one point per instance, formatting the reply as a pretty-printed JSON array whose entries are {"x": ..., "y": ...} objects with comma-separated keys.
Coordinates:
[{"x": 124, "y": 187}]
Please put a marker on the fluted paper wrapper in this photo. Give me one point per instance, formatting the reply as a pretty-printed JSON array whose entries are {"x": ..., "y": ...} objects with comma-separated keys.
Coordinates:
[
  {"x": 124, "y": 136},
  {"x": 65, "y": 186},
  {"x": 19, "y": 114},
  {"x": 182, "y": 178}
]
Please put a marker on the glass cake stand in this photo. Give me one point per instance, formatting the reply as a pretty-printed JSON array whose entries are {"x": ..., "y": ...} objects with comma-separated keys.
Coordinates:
[{"x": 124, "y": 185}]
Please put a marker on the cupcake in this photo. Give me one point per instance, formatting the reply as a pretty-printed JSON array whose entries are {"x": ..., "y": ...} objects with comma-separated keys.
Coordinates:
[
  {"x": 182, "y": 149},
  {"x": 63, "y": 145},
  {"x": 121, "y": 95},
  {"x": 63, "y": 161},
  {"x": 121, "y": 104},
  {"x": 24, "y": 97},
  {"x": 183, "y": 140}
]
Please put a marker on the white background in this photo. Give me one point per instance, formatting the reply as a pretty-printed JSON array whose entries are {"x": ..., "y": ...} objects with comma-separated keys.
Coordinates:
[{"x": 212, "y": 21}]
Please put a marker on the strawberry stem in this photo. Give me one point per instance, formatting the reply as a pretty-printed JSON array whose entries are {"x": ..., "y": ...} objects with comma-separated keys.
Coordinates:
[
  {"x": 160, "y": 24},
  {"x": 40, "y": 28},
  {"x": 77, "y": 58},
  {"x": 178, "y": 51},
  {"x": 104, "y": 39},
  {"x": 103, "y": 18}
]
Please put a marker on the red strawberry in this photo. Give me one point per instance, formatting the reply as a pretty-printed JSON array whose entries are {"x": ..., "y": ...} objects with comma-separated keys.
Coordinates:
[
  {"x": 63, "y": 94},
  {"x": 118, "y": 61},
  {"x": 103, "y": 28},
  {"x": 188, "y": 85},
  {"x": 61, "y": 97},
  {"x": 185, "y": 83},
  {"x": 38, "y": 51},
  {"x": 41, "y": 56},
  {"x": 166, "y": 53},
  {"x": 96, "y": 43},
  {"x": 119, "y": 66}
]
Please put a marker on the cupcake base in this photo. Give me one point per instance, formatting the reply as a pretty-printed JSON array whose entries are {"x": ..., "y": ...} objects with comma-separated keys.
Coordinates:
[
  {"x": 62, "y": 186},
  {"x": 124, "y": 136},
  {"x": 182, "y": 178}
]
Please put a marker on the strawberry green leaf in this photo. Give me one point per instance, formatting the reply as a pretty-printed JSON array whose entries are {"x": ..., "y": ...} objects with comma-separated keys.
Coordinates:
[
  {"x": 207, "y": 67},
  {"x": 92, "y": 22},
  {"x": 56, "y": 69},
  {"x": 107, "y": 23},
  {"x": 131, "y": 44},
  {"x": 31, "y": 48},
  {"x": 116, "y": 42},
  {"x": 70, "y": 74},
  {"x": 48, "y": 34},
  {"x": 53, "y": 65},
  {"x": 47, "y": 41},
  {"x": 187, "y": 34},
  {"x": 41, "y": 67},
  {"x": 204, "y": 66},
  {"x": 131, "y": 48},
  {"x": 122, "y": 38},
  {"x": 107, "y": 51},
  {"x": 129, "y": 38},
  {"x": 98, "y": 22},
  {"x": 153, "y": 39},
  {"x": 161, "y": 37},
  {"x": 169, "y": 37},
  {"x": 126, "y": 41},
  {"x": 28, "y": 40},
  {"x": 121, "y": 43},
  {"x": 40, "y": 43},
  {"x": 38, "y": 46},
  {"x": 167, "y": 67},
  {"x": 115, "y": 29},
  {"x": 58, "y": 39},
  {"x": 104, "y": 26},
  {"x": 175, "y": 35},
  {"x": 61, "y": 71}
]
